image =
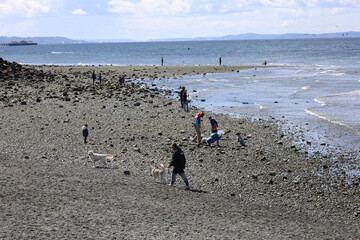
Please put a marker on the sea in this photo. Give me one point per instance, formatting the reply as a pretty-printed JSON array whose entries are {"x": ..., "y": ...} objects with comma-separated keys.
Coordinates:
[{"x": 310, "y": 86}]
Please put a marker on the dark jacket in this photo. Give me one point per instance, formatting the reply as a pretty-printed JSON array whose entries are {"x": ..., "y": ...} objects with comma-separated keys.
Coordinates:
[
  {"x": 85, "y": 131},
  {"x": 184, "y": 96},
  {"x": 181, "y": 95},
  {"x": 178, "y": 161}
]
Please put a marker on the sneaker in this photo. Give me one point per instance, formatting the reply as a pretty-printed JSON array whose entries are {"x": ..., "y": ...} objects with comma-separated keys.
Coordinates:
[
  {"x": 187, "y": 188},
  {"x": 170, "y": 185}
]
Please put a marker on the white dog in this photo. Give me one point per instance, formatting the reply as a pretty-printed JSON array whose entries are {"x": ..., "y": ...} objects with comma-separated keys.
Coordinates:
[
  {"x": 159, "y": 173},
  {"x": 97, "y": 156}
]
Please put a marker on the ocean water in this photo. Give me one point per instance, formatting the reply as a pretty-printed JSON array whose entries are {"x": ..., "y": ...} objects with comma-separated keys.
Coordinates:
[{"x": 314, "y": 88}]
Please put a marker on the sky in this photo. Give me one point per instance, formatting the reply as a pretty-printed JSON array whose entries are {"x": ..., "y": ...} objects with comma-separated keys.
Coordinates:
[{"x": 143, "y": 20}]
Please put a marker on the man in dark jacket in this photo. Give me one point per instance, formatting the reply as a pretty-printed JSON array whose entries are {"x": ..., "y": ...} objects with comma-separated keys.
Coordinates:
[{"x": 178, "y": 162}]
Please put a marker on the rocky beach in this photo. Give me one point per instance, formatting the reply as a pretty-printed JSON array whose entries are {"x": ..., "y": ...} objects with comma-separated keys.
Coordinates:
[{"x": 270, "y": 189}]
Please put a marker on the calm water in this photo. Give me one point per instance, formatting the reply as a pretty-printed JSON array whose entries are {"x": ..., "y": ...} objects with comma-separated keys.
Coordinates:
[{"x": 317, "y": 85}]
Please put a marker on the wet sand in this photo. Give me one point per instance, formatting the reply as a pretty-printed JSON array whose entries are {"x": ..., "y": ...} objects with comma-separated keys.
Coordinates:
[{"x": 268, "y": 190}]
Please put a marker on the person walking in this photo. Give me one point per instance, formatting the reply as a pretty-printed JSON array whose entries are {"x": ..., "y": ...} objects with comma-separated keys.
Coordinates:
[
  {"x": 185, "y": 101},
  {"x": 178, "y": 163},
  {"x": 100, "y": 78},
  {"x": 219, "y": 61},
  {"x": 162, "y": 61},
  {"x": 93, "y": 77},
  {"x": 197, "y": 124},
  {"x": 85, "y": 132}
]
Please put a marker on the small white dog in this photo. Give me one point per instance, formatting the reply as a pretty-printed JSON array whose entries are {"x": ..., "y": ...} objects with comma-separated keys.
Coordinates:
[
  {"x": 159, "y": 173},
  {"x": 97, "y": 156}
]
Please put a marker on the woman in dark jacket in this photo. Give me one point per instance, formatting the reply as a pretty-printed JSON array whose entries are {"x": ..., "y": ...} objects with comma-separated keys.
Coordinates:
[{"x": 178, "y": 162}]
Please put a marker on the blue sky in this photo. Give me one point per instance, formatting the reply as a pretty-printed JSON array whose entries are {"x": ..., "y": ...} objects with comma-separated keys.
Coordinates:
[{"x": 142, "y": 20}]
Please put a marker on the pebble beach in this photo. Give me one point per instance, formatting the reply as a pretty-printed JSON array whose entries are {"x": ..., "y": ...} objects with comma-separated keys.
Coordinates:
[{"x": 270, "y": 189}]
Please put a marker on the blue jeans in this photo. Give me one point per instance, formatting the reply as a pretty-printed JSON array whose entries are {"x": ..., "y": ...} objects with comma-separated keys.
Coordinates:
[
  {"x": 186, "y": 105},
  {"x": 182, "y": 175}
]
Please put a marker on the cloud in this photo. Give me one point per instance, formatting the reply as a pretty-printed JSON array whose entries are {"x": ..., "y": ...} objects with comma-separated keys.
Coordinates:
[
  {"x": 150, "y": 7},
  {"x": 28, "y": 8},
  {"x": 79, "y": 12}
]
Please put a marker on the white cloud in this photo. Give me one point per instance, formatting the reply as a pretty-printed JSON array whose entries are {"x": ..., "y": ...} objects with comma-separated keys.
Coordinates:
[
  {"x": 22, "y": 7},
  {"x": 207, "y": 7},
  {"x": 79, "y": 12},
  {"x": 120, "y": 6},
  {"x": 150, "y": 6}
]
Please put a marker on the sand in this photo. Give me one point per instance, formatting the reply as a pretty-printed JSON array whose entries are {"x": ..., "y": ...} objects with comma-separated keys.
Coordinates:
[{"x": 270, "y": 189}]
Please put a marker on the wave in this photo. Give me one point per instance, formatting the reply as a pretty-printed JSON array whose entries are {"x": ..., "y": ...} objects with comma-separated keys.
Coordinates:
[
  {"x": 310, "y": 112},
  {"x": 340, "y": 99},
  {"x": 318, "y": 100},
  {"x": 306, "y": 88},
  {"x": 261, "y": 106},
  {"x": 318, "y": 115},
  {"x": 61, "y": 52}
]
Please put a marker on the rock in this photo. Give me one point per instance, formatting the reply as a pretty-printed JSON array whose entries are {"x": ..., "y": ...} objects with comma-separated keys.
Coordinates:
[{"x": 126, "y": 172}]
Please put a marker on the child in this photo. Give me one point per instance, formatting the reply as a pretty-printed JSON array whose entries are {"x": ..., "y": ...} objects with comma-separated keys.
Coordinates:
[{"x": 85, "y": 132}]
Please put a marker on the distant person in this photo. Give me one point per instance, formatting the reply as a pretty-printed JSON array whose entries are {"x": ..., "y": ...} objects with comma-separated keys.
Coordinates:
[
  {"x": 197, "y": 124},
  {"x": 185, "y": 101},
  {"x": 219, "y": 61},
  {"x": 162, "y": 61},
  {"x": 265, "y": 63},
  {"x": 181, "y": 94},
  {"x": 85, "y": 132},
  {"x": 93, "y": 77},
  {"x": 178, "y": 162},
  {"x": 100, "y": 78}
]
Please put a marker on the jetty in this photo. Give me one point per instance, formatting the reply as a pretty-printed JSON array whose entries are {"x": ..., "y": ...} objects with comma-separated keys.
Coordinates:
[{"x": 16, "y": 43}]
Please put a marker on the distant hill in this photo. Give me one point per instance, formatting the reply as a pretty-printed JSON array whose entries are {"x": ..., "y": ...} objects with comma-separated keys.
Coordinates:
[
  {"x": 41, "y": 40},
  {"x": 247, "y": 36},
  {"x": 111, "y": 40},
  {"x": 253, "y": 36}
]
